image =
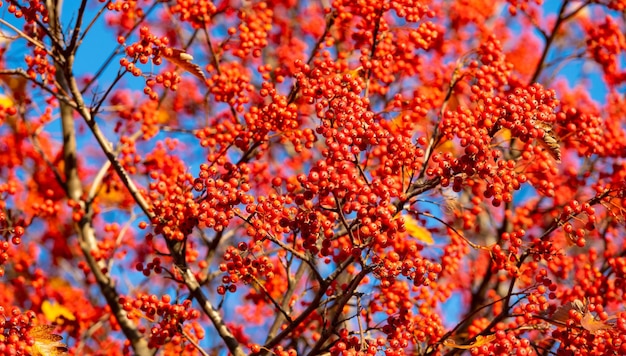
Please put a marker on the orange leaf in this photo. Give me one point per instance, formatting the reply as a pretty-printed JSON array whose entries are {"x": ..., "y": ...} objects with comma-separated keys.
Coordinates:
[
  {"x": 183, "y": 60},
  {"x": 480, "y": 341},
  {"x": 417, "y": 231},
  {"x": 46, "y": 343}
]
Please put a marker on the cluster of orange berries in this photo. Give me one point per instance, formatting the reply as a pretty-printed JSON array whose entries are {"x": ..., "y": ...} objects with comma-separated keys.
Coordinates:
[
  {"x": 221, "y": 195},
  {"x": 427, "y": 36},
  {"x": 150, "y": 48},
  {"x": 38, "y": 64},
  {"x": 128, "y": 14},
  {"x": 605, "y": 43},
  {"x": 16, "y": 326},
  {"x": 243, "y": 266},
  {"x": 273, "y": 217},
  {"x": 33, "y": 10},
  {"x": 155, "y": 266},
  {"x": 221, "y": 133},
  {"x": 349, "y": 344},
  {"x": 196, "y": 12},
  {"x": 170, "y": 316},
  {"x": 174, "y": 206},
  {"x": 585, "y": 133},
  {"x": 411, "y": 10},
  {"x": 574, "y": 209},
  {"x": 526, "y": 113},
  {"x": 521, "y": 5},
  {"x": 256, "y": 22},
  {"x": 278, "y": 115},
  {"x": 575, "y": 340},
  {"x": 231, "y": 85}
]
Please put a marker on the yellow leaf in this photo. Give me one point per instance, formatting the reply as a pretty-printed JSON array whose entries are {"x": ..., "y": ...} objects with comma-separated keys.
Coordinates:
[
  {"x": 183, "y": 60},
  {"x": 6, "y": 102},
  {"x": 46, "y": 343},
  {"x": 505, "y": 134},
  {"x": 480, "y": 341},
  {"x": 447, "y": 146},
  {"x": 54, "y": 311},
  {"x": 417, "y": 231}
]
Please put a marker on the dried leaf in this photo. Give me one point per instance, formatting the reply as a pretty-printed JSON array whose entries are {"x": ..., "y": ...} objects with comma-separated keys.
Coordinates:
[
  {"x": 47, "y": 343},
  {"x": 561, "y": 315},
  {"x": 183, "y": 60},
  {"x": 550, "y": 140},
  {"x": 54, "y": 311},
  {"x": 480, "y": 341},
  {"x": 418, "y": 232},
  {"x": 593, "y": 325}
]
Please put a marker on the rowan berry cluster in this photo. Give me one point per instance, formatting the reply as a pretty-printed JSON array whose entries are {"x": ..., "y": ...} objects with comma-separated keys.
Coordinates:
[
  {"x": 15, "y": 326},
  {"x": 220, "y": 134},
  {"x": 32, "y": 11},
  {"x": 411, "y": 10},
  {"x": 221, "y": 194},
  {"x": 196, "y": 12},
  {"x": 127, "y": 17},
  {"x": 253, "y": 31},
  {"x": 271, "y": 216},
  {"x": 526, "y": 113},
  {"x": 151, "y": 48},
  {"x": 584, "y": 132},
  {"x": 521, "y": 5},
  {"x": 352, "y": 345},
  {"x": 259, "y": 272},
  {"x": 168, "y": 318},
  {"x": 231, "y": 85},
  {"x": 277, "y": 115},
  {"x": 174, "y": 206},
  {"x": 575, "y": 340},
  {"x": 39, "y": 65},
  {"x": 605, "y": 43}
]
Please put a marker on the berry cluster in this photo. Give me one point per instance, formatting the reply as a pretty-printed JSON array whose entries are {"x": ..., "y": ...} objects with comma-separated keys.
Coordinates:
[
  {"x": 128, "y": 12},
  {"x": 525, "y": 113},
  {"x": 15, "y": 326},
  {"x": 39, "y": 65},
  {"x": 222, "y": 132},
  {"x": 32, "y": 11},
  {"x": 231, "y": 85},
  {"x": 605, "y": 43},
  {"x": 521, "y": 5},
  {"x": 584, "y": 132},
  {"x": 253, "y": 31},
  {"x": 168, "y": 317},
  {"x": 411, "y": 10},
  {"x": 220, "y": 195},
  {"x": 259, "y": 272},
  {"x": 196, "y": 12},
  {"x": 352, "y": 345},
  {"x": 278, "y": 115}
]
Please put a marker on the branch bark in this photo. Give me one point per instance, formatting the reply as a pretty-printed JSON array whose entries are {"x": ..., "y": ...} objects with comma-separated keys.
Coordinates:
[{"x": 74, "y": 190}]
